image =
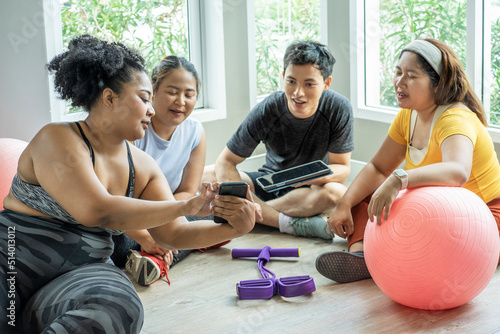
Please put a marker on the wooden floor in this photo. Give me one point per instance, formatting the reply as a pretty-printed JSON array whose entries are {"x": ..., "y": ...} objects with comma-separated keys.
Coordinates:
[{"x": 202, "y": 298}]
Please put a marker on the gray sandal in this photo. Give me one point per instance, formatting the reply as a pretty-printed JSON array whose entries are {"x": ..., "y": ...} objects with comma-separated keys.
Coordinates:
[{"x": 343, "y": 267}]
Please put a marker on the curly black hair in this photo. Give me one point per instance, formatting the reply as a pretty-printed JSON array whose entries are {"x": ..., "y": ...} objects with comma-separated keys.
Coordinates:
[{"x": 89, "y": 66}]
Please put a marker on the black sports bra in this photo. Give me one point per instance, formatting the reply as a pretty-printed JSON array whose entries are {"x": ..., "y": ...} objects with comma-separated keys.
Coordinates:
[{"x": 131, "y": 170}]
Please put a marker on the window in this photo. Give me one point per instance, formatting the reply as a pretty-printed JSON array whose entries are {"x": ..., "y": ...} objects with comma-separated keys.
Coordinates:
[
  {"x": 470, "y": 27},
  {"x": 277, "y": 24},
  {"x": 157, "y": 29},
  {"x": 401, "y": 22}
]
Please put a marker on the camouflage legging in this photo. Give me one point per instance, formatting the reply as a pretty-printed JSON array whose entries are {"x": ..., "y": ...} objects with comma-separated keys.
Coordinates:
[{"x": 56, "y": 278}]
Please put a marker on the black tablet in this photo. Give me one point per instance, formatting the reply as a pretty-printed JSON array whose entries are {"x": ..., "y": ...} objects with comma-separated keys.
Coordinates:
[{"x": 294, "y": 175}]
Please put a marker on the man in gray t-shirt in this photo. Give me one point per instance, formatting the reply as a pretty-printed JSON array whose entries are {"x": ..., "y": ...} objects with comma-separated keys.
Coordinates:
[{"x": 303, "y": 123}]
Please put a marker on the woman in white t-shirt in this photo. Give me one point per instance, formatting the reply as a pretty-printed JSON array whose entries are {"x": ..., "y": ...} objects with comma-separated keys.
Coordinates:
[{"x": 178, "y": 144}]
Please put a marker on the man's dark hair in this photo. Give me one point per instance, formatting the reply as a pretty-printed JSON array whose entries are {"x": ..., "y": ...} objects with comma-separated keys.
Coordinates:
[{"x": 310, "y": 52}]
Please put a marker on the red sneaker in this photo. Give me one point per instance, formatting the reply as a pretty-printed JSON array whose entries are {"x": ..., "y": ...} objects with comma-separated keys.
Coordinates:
[
  {"x": 219, "y": 245},
  {"x": 145, "y": 268}
]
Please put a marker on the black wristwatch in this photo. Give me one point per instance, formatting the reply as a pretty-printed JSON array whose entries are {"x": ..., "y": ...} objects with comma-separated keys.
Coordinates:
[{"x": 403, "y": 176}]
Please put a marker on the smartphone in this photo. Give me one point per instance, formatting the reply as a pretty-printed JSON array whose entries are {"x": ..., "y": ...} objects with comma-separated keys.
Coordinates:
[
  {"x": 238, "y": 189},
  {"x": 289, "y": 177}
]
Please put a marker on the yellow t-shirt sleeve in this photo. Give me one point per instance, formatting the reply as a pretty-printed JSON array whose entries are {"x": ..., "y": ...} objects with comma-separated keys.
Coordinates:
[
  {"x": 400, "y": 127},
  {"x": 452, "y": 123}
]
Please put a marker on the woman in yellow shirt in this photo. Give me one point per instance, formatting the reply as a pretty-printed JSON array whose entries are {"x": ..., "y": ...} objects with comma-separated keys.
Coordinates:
[{"x": 440, "y": 133}]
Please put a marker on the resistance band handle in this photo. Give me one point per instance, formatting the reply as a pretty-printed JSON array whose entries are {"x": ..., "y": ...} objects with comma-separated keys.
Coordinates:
[
  {"x": 266, "y": 288},
  {"x": 263, "y": 288},
  {"x": 273, "y": 252},
  {"x": 295, "y": 286}
]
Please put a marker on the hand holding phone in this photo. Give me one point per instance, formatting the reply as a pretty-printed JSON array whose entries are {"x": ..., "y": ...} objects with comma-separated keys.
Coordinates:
[{"x": 238, "y": 189}]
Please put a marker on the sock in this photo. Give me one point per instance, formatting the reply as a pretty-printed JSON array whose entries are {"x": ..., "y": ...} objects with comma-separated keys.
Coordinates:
[{"x": 283, "y": 222}]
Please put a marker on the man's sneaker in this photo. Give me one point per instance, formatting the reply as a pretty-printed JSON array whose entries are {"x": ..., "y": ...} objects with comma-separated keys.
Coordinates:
[
  {"x": 343, "y": 267},
  {"x": 145, "y": 268},
  {"x": 315, "y": 227}
]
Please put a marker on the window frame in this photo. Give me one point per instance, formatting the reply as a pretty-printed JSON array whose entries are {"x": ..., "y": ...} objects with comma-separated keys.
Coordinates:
[
  {"x": 205, "y": 29},
  {"x": 478, "y": 49}
]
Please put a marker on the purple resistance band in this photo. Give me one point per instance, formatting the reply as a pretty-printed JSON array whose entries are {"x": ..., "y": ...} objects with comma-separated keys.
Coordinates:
[
  {"x": 255, "y": 252},
  {"x": 269, "y": 286}
]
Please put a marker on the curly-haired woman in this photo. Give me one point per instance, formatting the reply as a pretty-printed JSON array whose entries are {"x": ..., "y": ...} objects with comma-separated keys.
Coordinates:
[{"x": 80, "y": 183}]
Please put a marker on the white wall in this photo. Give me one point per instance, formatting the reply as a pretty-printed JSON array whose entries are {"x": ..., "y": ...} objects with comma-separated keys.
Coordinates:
[
  {"x": 24, "y": 84},
  {"x": 237, "y": 78}
]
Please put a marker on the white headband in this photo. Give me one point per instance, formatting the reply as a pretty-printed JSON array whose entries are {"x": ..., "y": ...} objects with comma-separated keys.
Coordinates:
[{"x": 429, "y": 52}]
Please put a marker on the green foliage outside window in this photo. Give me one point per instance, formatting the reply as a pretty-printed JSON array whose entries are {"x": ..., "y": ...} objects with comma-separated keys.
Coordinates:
[
  {"x": 403, "y": 21},
  {"x": 495, "y": 67},
  {"x": 277, "y": 24},
  {"x": 156, "y": 28}
]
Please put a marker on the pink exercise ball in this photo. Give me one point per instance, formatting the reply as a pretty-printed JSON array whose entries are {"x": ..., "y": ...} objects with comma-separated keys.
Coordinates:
[
  {"x": 10, "y": 151},
  {"x": 438, "y": 249}
]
